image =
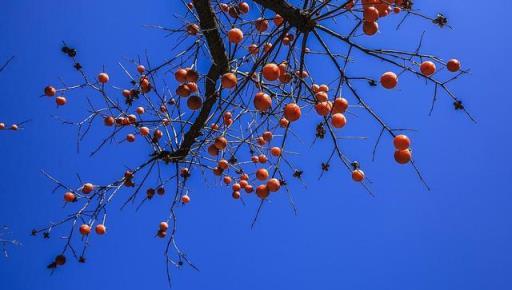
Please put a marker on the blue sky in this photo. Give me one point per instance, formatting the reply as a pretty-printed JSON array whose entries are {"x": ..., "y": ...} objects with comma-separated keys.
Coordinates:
[{"x": 456, "y": 236}]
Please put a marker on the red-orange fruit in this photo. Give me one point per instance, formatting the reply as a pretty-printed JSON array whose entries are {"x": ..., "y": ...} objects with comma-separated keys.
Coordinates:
[
  {"x": 103, "y": 78},
  {"x": 262, "y": 191},
  {"x": 358, "y": 175},
  {"x": 427, "y": 68},
  {"x": 371, "y": 14},
  {"x": 323, "y": 108},
  {"x": 267, "y": 136},
  {"x": 229, "y": 80},
  {"x": 339, "y": 105},
  {"x": 224, "y": 164},
  {"x": 370, "y": 28},
  {"x": 185, "y": 199},
  {"x": 278, "y": 19},
  {"x": 401, "y": 142},
  {"x": 292, "y": 112},
  {"x": 262, "y": 174},
  {"x": 273, "y": 185},
  {"x": 50, "y": 91},
  {"x": 262, "y": 102},
  {"x": 87, "y": 188},
  {"x": 262, "y": 158},
  {"x": 403, "y": 156},
  {"x": 243, "y": 7},
  {"x": 271, "y": 71},
  {"x": 194, "y": 103},
  {"x": 85, "y": 229},
  {"x": 144, "y": 131},
  {"x": 61, "y": 101},
  {"x": 338, "y": 120},
  {"x": 261, "y": 24},
  {"x": 163, "y": 226},
  {"x": 227, "y": 179},
  {"x": 69, "y": 196},
  {"x": 453, "y": 65},
  {"x": 221, "y": 143},
  {"x": 100, "y": 229},
  {"x": 389, "y": 80},
  {"x": 235, "y": 35},
  {"x": 130, "y": 138},
  {"x": 181, "y": 75},
  {"x": 141, "y": 68}
]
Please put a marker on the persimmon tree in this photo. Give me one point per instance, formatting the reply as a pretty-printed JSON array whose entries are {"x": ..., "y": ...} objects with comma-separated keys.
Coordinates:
[{"x": 234, "y": 120}]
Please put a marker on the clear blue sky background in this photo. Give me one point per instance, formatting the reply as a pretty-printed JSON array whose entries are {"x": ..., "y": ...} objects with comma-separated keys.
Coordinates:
[{"x": 456, "y": 236}]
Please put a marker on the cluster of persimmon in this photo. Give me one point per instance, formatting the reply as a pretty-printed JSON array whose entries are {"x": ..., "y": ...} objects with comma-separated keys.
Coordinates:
[
  {"x": 389, "y": 80},
  {"x": 13, "y": 127},
  {"x": 375, "y": 9}
]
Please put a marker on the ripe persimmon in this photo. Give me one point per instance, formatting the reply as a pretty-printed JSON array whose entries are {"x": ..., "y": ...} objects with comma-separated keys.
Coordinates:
[
  {"x": 69, "y": 196},
  {"x": 163, "y": 226},
  {"x": 243, "y": 7},
  {"x": 262, "y": 191},
  {"x": 141, "y": 69},
  {"x": 181, "y": 75},
  {"x": 292, "y": 112},
  {"x": 321, "y": 96},
  {"x": 235, "y": 35},
  {"x": 261, "y": 24},
  {"x": 339, "y": 105},
  {"x": 87, "y": 188},
  {"x": 14, "y": 127},
  {"x": 248, "y": 188},
  {"x": 338, "y": 120},
  {"x": 261, "y": 174},
  {"x": 262, "y": 158},
  {"x": 323, "y": 108},
  {"x": 194, "y": 103},
  {"x": 130, "y": 138},
  {"x": 370, "y": 28},
  {"x": 183, "y": 90},
  {"x": 192, "y": 29},
  {"x": 357, "y": 175},
  {"x": 2, "y": 126},
  {"x": 103, "y": 78},
  {"x": 371, "y": 14},
  {"x": 427, "y": 68},
  {"x": 100, "y": 229},
  {"x": 50, "y": 91},
  {"x": 185, "y": 199},
  {"x": 403, "y": 156},
  {"x": 278, "y": 19},
  {"x": 236, "y": 186},
  {"x": 453, "y": 65},
  {"x": 229, "y": 80},
  {"x": 275, "y": 151},
  {"x": 262, "y": 102},
  {"x": 273, "y": 185},
  {"x": 140, "y": 110},
  {"x": 192, "y": 75},
  {"x": 389, "y": 80},
  {"x": 271, "y": 71},
  {"x": 401, "y": 142},
  {"x": 61, "y": 101},
  {"x": 109, "y": 121},
  {"x": 224, "y": 164},
  {"x": 144, "y": 131},
  {"x": 85, "y": 229},
  {"x": 261, "y": 141},
  {"x": 221, "y": 143},
  {"x": 227, "y": 179},
  {"x": 283, "y": 122},
  {"x": 267, "y": 136}
]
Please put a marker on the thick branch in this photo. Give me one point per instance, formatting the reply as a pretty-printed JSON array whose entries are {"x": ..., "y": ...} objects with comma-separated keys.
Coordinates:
[
  {"x": 294, "y": 16},
  {"x": 210, "y": 28}
]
